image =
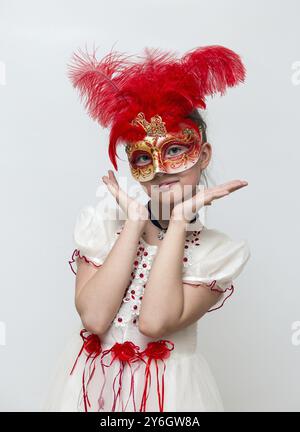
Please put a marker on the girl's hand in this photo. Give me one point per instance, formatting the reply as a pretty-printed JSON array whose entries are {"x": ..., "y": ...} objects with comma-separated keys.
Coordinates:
[
  {"x": 187, "y": 210},
  {"x": 132, "y": 208}
]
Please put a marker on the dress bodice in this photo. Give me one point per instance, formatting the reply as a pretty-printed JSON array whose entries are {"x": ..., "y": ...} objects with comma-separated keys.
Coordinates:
[
  {"x": 125, "y": 324},
  {"x": 210, "y": 258}
]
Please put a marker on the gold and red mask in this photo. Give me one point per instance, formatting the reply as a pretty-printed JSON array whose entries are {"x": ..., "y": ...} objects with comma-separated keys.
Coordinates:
[{"x": 161, "y": 151}]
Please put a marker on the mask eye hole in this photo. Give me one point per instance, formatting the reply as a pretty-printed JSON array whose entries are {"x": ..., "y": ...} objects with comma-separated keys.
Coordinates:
[
  {"x": 175, "y": 150},
  {"x": 140, "y": 159}
]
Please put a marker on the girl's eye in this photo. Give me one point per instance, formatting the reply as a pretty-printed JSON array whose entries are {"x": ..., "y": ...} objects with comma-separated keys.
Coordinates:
[
  {"x": 141, "y": 160},
  {"x": 176, "y": 150}
]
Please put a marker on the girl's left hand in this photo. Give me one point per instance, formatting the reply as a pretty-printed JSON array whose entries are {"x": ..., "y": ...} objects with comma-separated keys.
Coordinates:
[
  {"x": 187, "y": 210},
  {"x": 133, "y": 209}
]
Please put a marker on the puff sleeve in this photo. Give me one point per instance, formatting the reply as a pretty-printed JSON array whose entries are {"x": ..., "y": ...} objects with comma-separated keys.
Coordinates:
[
  {"x": 216, "y": 262},
  {"x": 93, "y": 235}
]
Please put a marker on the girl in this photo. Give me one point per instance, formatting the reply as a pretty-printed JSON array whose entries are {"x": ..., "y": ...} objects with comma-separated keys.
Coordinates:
[{"x": 146, "y": 276}]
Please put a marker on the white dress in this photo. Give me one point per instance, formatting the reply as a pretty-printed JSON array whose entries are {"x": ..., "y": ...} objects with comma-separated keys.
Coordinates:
[{"x": 126, "y": 370}]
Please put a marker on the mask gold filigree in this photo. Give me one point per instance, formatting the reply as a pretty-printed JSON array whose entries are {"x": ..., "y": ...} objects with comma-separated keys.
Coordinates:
[
  {"x": 150, "y": 155},
  {"x": 156, "y": 127}
]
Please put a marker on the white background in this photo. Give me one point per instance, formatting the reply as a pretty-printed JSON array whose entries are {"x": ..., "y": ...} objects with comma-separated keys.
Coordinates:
[{"x": 53, "y": 156}]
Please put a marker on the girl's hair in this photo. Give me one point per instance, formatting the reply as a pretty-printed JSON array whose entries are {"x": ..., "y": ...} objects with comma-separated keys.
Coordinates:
[{"x": 197, "y": 118}]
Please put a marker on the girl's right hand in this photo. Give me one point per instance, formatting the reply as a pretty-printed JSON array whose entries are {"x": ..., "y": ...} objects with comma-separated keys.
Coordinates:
[
  {"x": 132, "y": 208},
  {"x": 187, "y": 209}
]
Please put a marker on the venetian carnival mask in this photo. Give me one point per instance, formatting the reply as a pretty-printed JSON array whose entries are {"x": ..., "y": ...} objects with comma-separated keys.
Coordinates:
[
  {"x": 120, "y": 89},
  {"x": 161, "y": 151}
]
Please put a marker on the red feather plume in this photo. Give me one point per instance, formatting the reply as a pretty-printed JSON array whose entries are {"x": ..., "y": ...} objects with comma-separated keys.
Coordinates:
[{"x": 116, "y": 88}]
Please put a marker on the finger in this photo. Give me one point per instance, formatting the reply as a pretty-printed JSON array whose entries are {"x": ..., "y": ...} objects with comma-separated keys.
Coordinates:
[
  {"x": 120, "y": 195},
  {"x": 220, "y": 191},
  {"x": 231, "y": 185},
  {"x": 232, "y": 182},
  {"x": 111, "y": 187},
  {"x": 112, "y": 177},
  {"x": 235, "y": 186},
  {"x": 111, "y": 180},
  {"x": 196, "y": 202},
  {"x": 216, "y": 195}
]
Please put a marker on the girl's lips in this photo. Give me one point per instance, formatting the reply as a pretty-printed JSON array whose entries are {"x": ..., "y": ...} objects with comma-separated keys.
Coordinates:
[{"x": 167, "y": 185}]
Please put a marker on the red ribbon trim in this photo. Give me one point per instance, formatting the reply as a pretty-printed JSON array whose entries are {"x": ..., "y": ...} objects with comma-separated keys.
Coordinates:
[
  {"x": 211, "y": 286},
  {"x": 92, "y": 345},
  {"x": 126, "y": 353},
  {"x": 231, "y": 289},
  {"x": 155, "y": 351},
  {"x": 76, "y": 254}
]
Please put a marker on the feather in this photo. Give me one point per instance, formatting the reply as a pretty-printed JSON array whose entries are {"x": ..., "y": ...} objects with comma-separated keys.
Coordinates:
[
  {"x": 215, "y": 68},
  {"x": 95, "y": 82},
  {"x": 119, "y": 86}
]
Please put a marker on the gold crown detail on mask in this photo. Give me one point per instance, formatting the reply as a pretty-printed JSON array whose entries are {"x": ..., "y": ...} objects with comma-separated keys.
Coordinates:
[{"x": 156, "y": 127}]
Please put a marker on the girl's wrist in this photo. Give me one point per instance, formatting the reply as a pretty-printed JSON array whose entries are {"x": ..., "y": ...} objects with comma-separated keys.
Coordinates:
[
  {"x": 137, "y": 225},
  {"x": 180, "y": 223}
]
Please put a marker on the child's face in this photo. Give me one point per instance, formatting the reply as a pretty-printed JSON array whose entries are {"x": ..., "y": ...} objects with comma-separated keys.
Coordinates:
[{"x": 173, "y": 194}]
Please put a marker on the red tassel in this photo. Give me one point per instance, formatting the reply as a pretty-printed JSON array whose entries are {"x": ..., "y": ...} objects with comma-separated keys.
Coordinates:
[
  {"x": 92, "y": 345},
  {"x": 146, "y": 386},
  {"x": 126, "y": 352},
  {"x": 155, "y": 351}
]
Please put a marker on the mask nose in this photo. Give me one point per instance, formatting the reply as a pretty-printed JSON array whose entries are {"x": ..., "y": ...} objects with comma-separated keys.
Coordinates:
[{"x": 157, "y": 170}]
